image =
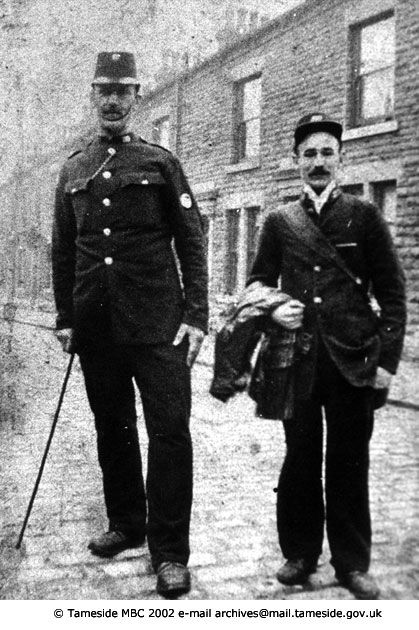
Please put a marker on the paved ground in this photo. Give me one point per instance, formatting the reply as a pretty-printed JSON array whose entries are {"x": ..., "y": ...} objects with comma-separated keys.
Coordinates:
[{"x": 237, "y": 459}]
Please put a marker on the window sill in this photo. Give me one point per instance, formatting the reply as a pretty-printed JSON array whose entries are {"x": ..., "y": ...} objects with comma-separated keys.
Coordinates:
[
  {"x": 244, "y": 165},
  {"x": 370, "y": 130}
]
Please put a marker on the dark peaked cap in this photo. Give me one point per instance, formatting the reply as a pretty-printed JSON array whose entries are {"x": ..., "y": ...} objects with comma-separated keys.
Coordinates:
[
  {"x": 311, "y": 123},
  {"x": 115, "y": 67}
]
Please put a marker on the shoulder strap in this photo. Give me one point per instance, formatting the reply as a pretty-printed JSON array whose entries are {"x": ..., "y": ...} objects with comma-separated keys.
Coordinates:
[
  {"x": 80, "y": 146},
  {"x": 309, "y": 234},
  {"x": 154, "y": 144}
]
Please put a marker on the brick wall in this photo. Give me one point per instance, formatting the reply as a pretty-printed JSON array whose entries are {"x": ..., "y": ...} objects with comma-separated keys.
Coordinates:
[
  {"x": 304, "y": 62},
  {"x": 408, "y": 148},
  {"x": 48, "y": 55}
]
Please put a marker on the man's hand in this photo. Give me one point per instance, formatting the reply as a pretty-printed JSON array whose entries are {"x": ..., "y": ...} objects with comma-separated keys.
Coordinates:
[
  {"x": 382, "y": 379},
  {"x": 289, "y": 315},
  {"x": 196, "y": 337},
  {"x": 65, "y": 337}
]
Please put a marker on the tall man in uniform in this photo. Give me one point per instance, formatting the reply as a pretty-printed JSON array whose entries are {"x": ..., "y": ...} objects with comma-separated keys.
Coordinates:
[
  {"x": 329, "y": 250},
  {"x": 122, "y": 207}
]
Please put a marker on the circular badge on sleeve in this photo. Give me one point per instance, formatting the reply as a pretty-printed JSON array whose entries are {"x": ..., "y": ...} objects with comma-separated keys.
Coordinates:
[{"x": 186, "y": 201}]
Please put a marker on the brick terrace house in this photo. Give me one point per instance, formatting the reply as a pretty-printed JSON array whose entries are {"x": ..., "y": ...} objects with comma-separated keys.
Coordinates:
[{"x": 231, "y": 119}]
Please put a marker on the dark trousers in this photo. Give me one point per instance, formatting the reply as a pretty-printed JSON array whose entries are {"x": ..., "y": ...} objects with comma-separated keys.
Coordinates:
[
  {"x": 301, "y": 509},
  {"x": 162, "y": 510}
]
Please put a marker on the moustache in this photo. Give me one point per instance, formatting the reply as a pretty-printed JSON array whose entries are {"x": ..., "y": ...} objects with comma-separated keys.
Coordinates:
[{"x": 319, "y": 171}]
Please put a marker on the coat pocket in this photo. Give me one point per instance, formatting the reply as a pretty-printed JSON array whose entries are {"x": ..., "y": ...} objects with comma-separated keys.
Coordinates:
[
  {"x": 141, "y": 199},
  {"x": 142, "y": 178}
]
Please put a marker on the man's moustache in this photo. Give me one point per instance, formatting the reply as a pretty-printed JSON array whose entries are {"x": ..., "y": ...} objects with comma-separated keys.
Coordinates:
[{"x": 319, "y": 171}]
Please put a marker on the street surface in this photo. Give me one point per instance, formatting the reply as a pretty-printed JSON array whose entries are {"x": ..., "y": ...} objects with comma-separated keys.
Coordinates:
[{"x": 235, "y": 552}]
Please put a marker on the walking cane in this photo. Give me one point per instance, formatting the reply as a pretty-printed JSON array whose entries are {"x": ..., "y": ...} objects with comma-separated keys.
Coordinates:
[{"x": 41, "y": 469}]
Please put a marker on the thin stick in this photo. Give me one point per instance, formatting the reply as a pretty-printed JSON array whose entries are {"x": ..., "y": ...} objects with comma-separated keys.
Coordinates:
[{"x": 44, "y": 458}]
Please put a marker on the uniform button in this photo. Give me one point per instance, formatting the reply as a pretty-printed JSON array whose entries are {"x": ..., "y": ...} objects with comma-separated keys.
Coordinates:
[
  {"x": 358, "y": 280},
  {"x": 126, "y": 139},
  {"x": 108, "y": 260},
  {"x": 107, "y": 232},
  {"x": 107, "y": 174},
  {"x": 111, "y": 151},
  {"x": 317, "y": 300},
  {"x": 317, "y": 268},
  {"x": 106, "y": 202}
]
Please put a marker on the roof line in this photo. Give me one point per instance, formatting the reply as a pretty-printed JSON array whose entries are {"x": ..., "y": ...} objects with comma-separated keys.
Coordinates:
[{"x": 253, "y": 36}]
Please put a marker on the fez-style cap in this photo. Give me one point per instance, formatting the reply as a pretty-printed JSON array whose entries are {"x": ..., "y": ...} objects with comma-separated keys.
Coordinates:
[
  {"x": 311, "y": 123},
  {"x": 115, "y": 67}
]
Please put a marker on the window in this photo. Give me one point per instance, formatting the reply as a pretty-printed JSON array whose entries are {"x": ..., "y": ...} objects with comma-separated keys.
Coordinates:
[
  {"x": 290, "y": 198},
  {"x": 206, "y": 229},
  {"x": 232, "y": 247},
  {"x": 242, "y": 238},
  {"x": 373, "y": 58},
  {"x": 252, "y": 237},
  {"x": 385, "y": 197},
  {"x": 151, "y": 9},
  {"x": 161, "y": 132},
  {"x": 45, "y": 278},
  {"x": 247, "y": 119},
  {"x": 22, "y": 270},
  {"x": 354, "y": 189}
]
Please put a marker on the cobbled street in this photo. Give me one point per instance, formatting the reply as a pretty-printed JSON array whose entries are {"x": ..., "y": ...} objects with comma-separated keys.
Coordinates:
[{"x": 235, "y": 553}]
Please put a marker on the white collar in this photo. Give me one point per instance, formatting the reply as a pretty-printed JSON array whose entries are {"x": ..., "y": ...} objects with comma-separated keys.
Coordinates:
[{"x": 319, "y": 200}]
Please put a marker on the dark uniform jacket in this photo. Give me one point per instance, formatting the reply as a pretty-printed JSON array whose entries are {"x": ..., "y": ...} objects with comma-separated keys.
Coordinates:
[
  {"x": 119, "y": 205},
  {"x": 331, "y": 267}
]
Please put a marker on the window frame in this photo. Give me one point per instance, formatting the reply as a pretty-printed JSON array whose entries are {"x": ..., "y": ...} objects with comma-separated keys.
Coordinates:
[
  {"x": 239, "y": 122},
  {"x": 252, "y": 235},
  {"x": 379, "y": 190},
  {"x": 241, "y": 245},
  {"x": 356, "y": 119},
  {"x": 356, "y": 189},
  {"x": 231, "y": 261}
]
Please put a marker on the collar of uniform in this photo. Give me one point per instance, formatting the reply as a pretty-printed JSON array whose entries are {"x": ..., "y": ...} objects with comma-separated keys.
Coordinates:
[
  {"x": 126, "y": 138},
  {"x": 313, "y": 202}
]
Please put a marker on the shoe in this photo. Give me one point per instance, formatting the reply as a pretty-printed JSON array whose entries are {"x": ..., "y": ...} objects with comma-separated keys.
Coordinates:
[
  {"x": 296, "y": 571},
  {"x": 173, "y": 579},
  {"x": 360, "y": 584},
  {"x": 110, "y": 543}
]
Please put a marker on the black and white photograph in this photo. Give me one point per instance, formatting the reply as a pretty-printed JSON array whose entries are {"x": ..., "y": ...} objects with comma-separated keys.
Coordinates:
[{"x": 209, "y": 326}]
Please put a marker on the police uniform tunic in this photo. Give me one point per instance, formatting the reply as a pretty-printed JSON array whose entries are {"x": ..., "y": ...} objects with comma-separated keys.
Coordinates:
[
  {"x": 123, "y": 208},
  {"x": 119, "y": 204}
]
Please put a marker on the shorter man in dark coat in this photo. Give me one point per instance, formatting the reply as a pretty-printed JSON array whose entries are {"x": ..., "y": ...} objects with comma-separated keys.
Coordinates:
[
  {"x": 123, "y": 207},
  {"x": 329, "y": 251}
]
